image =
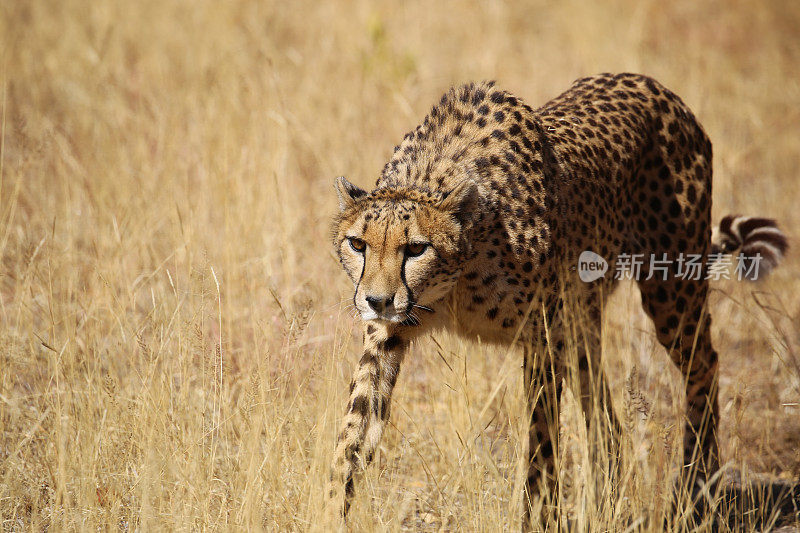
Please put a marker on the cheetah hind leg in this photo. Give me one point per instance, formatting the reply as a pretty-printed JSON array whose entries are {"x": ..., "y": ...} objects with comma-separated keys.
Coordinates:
[{"x": 678, "y": 308}]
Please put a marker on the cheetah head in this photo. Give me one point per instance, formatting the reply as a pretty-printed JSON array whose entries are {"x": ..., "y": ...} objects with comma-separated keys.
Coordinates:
[{"x": 402, "y": 247}]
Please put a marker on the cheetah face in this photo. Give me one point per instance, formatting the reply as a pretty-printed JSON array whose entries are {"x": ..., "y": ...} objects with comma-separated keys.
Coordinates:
[{"x": 402, "y": 249}]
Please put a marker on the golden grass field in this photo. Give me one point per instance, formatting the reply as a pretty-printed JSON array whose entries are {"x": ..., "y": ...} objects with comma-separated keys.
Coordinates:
[{"x": 174, "y": 344}]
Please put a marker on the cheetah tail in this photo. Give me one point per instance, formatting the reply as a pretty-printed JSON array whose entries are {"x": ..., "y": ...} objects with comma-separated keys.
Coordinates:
[{"x": 751, "y": 236}]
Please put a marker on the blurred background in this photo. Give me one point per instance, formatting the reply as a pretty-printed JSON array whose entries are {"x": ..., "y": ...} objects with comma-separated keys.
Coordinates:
[{"x": 174, "y": 348}]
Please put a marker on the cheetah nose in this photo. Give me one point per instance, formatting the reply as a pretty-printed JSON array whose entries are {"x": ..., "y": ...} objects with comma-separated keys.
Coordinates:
[{"x": 379, "y": 303}]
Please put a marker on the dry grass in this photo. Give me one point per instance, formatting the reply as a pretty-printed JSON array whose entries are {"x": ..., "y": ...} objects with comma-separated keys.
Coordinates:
[{"x": 173, "y": 350}]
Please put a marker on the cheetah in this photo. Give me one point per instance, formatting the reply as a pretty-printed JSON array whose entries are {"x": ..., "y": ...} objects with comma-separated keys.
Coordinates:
[{"x": 476, "y": 225}]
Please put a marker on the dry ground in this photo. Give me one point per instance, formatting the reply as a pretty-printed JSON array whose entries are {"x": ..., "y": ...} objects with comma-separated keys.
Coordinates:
[{"x": 174, "y": 352}]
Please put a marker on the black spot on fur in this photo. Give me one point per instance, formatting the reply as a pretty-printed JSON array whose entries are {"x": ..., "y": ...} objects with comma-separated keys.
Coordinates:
[
  {"x": 360, "y": 405},
  {"x": 391, "y": 343}
]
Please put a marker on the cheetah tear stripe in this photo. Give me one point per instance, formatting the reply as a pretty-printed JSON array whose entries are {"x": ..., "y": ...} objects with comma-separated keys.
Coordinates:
[{"x": 752, "y": 236}]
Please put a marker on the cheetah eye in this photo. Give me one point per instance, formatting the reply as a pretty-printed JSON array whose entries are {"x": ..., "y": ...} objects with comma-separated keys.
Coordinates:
[
  {"x": 357, "y": 244},
  {"x": 415, "y": 249}
]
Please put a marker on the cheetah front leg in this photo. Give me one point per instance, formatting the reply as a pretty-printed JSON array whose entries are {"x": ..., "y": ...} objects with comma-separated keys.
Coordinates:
[
  {"x": 542, "y": 384},
  {"x": 367, "y": 412}
]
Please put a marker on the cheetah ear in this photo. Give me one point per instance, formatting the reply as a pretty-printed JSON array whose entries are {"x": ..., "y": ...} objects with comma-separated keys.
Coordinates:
[
  {"x": 347, "y": 192},
  {"x": 461, "y": 201}
]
